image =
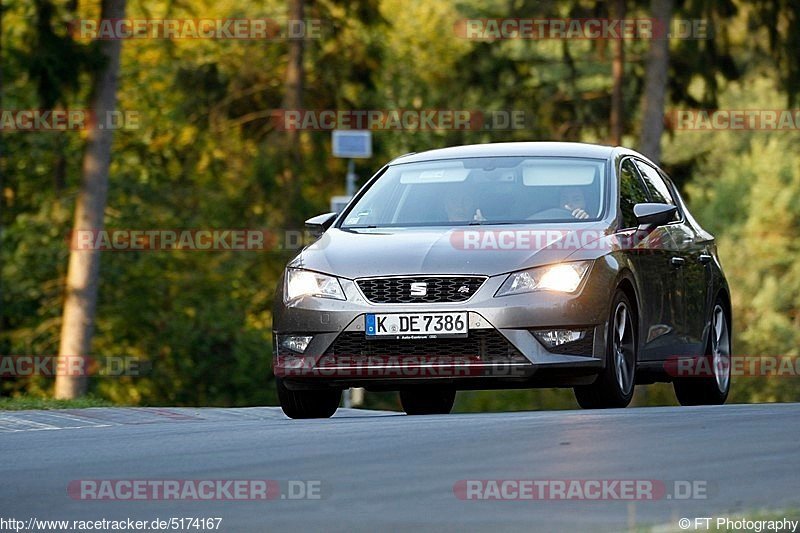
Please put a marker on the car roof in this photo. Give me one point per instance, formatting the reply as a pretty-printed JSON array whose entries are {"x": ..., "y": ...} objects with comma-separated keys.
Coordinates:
[{"x": 512, "y": 149}]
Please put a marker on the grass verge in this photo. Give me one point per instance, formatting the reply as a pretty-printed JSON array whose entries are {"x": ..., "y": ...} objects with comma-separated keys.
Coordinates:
[{"x": 22, "y": 403}]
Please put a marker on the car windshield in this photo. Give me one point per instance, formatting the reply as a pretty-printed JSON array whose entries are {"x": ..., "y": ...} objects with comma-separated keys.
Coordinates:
[{"x": 483, "y": 190}]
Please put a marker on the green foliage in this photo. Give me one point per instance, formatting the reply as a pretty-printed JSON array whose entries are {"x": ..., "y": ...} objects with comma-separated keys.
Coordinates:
[
  {"x": 515, "y": 400},
  {"x": 25, "y": 403},
  {"x": 747, "y": 192}
]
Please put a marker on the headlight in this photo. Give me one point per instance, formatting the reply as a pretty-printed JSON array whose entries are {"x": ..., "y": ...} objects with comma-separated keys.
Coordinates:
[
  {"x": 561, "y": 277},
  {"x": 306, "y": 283}
]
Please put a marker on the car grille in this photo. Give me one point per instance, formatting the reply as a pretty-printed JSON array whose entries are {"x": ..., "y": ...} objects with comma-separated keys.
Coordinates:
[
  {"x": 485, "y": 345},
  {"x": 438, "y": 289}
]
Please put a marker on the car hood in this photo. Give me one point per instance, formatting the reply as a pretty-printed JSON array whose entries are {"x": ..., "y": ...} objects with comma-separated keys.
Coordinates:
[{"x": 482, "y": 250}]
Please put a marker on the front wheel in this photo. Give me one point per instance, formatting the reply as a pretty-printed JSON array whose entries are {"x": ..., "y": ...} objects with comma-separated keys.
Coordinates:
[
  {"x": 308, "y": 403},
  {"x": 711, "y": 390},
  {"x": 427, "y": 401},
  {"x": 614, "y": 385}
]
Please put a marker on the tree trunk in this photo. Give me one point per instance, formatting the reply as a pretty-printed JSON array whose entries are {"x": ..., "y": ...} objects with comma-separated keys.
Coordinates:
[
  {"x": 84, "y": 265},
  {"x": 617, "y": 75},
  {"x": 293, "y": 99},
  {"x": 655, "y": 86}
]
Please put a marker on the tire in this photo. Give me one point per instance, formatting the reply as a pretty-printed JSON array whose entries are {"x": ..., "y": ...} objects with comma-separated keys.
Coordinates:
[
  {"x": 427, "y": 401},
  {"x": 614, "y": 386},
  {"x": 308, "y": 403},
  {"x": 710, "y": 390}
]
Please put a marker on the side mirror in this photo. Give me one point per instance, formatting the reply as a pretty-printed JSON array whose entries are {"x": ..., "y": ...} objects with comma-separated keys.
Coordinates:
[
  {"x": 319, "y": 224},
  {"x": 651, "y": 214}
]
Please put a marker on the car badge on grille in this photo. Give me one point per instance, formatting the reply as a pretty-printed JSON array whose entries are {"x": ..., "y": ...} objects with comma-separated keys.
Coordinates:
[
  {"x": 419, "y": 289},
  {"x": 463, "y": 289}
]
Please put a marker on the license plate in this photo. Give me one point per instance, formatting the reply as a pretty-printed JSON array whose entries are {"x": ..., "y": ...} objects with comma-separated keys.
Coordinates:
[{"x": 416, "y": 325}]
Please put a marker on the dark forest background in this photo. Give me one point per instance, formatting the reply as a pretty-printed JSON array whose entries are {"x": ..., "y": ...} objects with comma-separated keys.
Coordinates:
[{"x": 206, "y": 155}]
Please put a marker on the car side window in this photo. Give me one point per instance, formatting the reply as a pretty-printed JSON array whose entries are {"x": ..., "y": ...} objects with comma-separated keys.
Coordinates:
[
  {"x": 672, "y": 191},
  {"x": 659, "y": 191},
  {"x": 631, "y": 192}
]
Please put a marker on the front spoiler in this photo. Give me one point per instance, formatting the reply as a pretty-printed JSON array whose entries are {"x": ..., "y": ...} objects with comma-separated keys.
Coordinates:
[{"x": 569, "y": 371}]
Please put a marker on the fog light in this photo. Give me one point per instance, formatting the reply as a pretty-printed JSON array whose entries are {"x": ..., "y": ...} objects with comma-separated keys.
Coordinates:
[
  {"x": 294, "y": 343},
  {"x": 557, "y": 337}
]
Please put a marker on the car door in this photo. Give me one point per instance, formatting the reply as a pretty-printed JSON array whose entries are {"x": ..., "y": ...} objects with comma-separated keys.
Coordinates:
[
  {"x": 697, "y": 250},
  {"x": 686, "y": 255},
  {"x": 656, "y": 278}
]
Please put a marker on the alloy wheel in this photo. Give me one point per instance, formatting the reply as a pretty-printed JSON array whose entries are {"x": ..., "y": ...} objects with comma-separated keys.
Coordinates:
[{"x": 623, "y": 347}]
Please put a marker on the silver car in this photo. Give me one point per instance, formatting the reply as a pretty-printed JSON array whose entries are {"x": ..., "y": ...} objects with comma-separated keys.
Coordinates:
[{"x": 504, "y": 266}]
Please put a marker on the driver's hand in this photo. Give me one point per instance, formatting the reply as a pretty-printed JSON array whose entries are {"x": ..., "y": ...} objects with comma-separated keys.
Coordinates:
[
  {"x": 577, "y": 212},
  {"x": 479, "y": 216}
]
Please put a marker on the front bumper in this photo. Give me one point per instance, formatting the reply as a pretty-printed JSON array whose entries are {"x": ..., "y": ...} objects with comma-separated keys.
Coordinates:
[{"x": 500, "y": 351}]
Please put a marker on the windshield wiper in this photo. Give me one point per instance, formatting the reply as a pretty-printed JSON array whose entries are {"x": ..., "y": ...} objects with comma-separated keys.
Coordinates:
[{"x": 493, "y": 222}]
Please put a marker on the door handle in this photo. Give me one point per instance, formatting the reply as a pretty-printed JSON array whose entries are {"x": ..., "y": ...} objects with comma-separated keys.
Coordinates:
[
  {"x": 677, "y": 261},
  {"x": 704, "y": 258}
]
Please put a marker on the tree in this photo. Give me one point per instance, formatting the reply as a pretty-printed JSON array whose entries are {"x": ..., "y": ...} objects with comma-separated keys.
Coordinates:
[
  {"x": 781, "y": 18},
  {"x": 655, "y": 85},
  {"x": 617, "y": 75},
  {"x": 84, "y": 265},
  {"x": 293, "y": 100}
]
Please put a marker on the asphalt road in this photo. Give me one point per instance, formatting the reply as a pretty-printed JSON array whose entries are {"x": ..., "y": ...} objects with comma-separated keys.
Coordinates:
[{"x": 385, "y": 471}]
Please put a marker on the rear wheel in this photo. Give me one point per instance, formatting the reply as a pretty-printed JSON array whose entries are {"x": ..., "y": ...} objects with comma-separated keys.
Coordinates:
[
  {"x": 308, "y": 403},
  {"x": 427, "y": 401},
  {"x": 614, "y": 386},
  {"x": 710, "y": 390}
]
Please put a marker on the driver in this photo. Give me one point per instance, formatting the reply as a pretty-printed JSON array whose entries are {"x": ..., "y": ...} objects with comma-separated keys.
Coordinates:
[
  {"x": 572, "y": 200},
  {"x": 460, "y": 207}
]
